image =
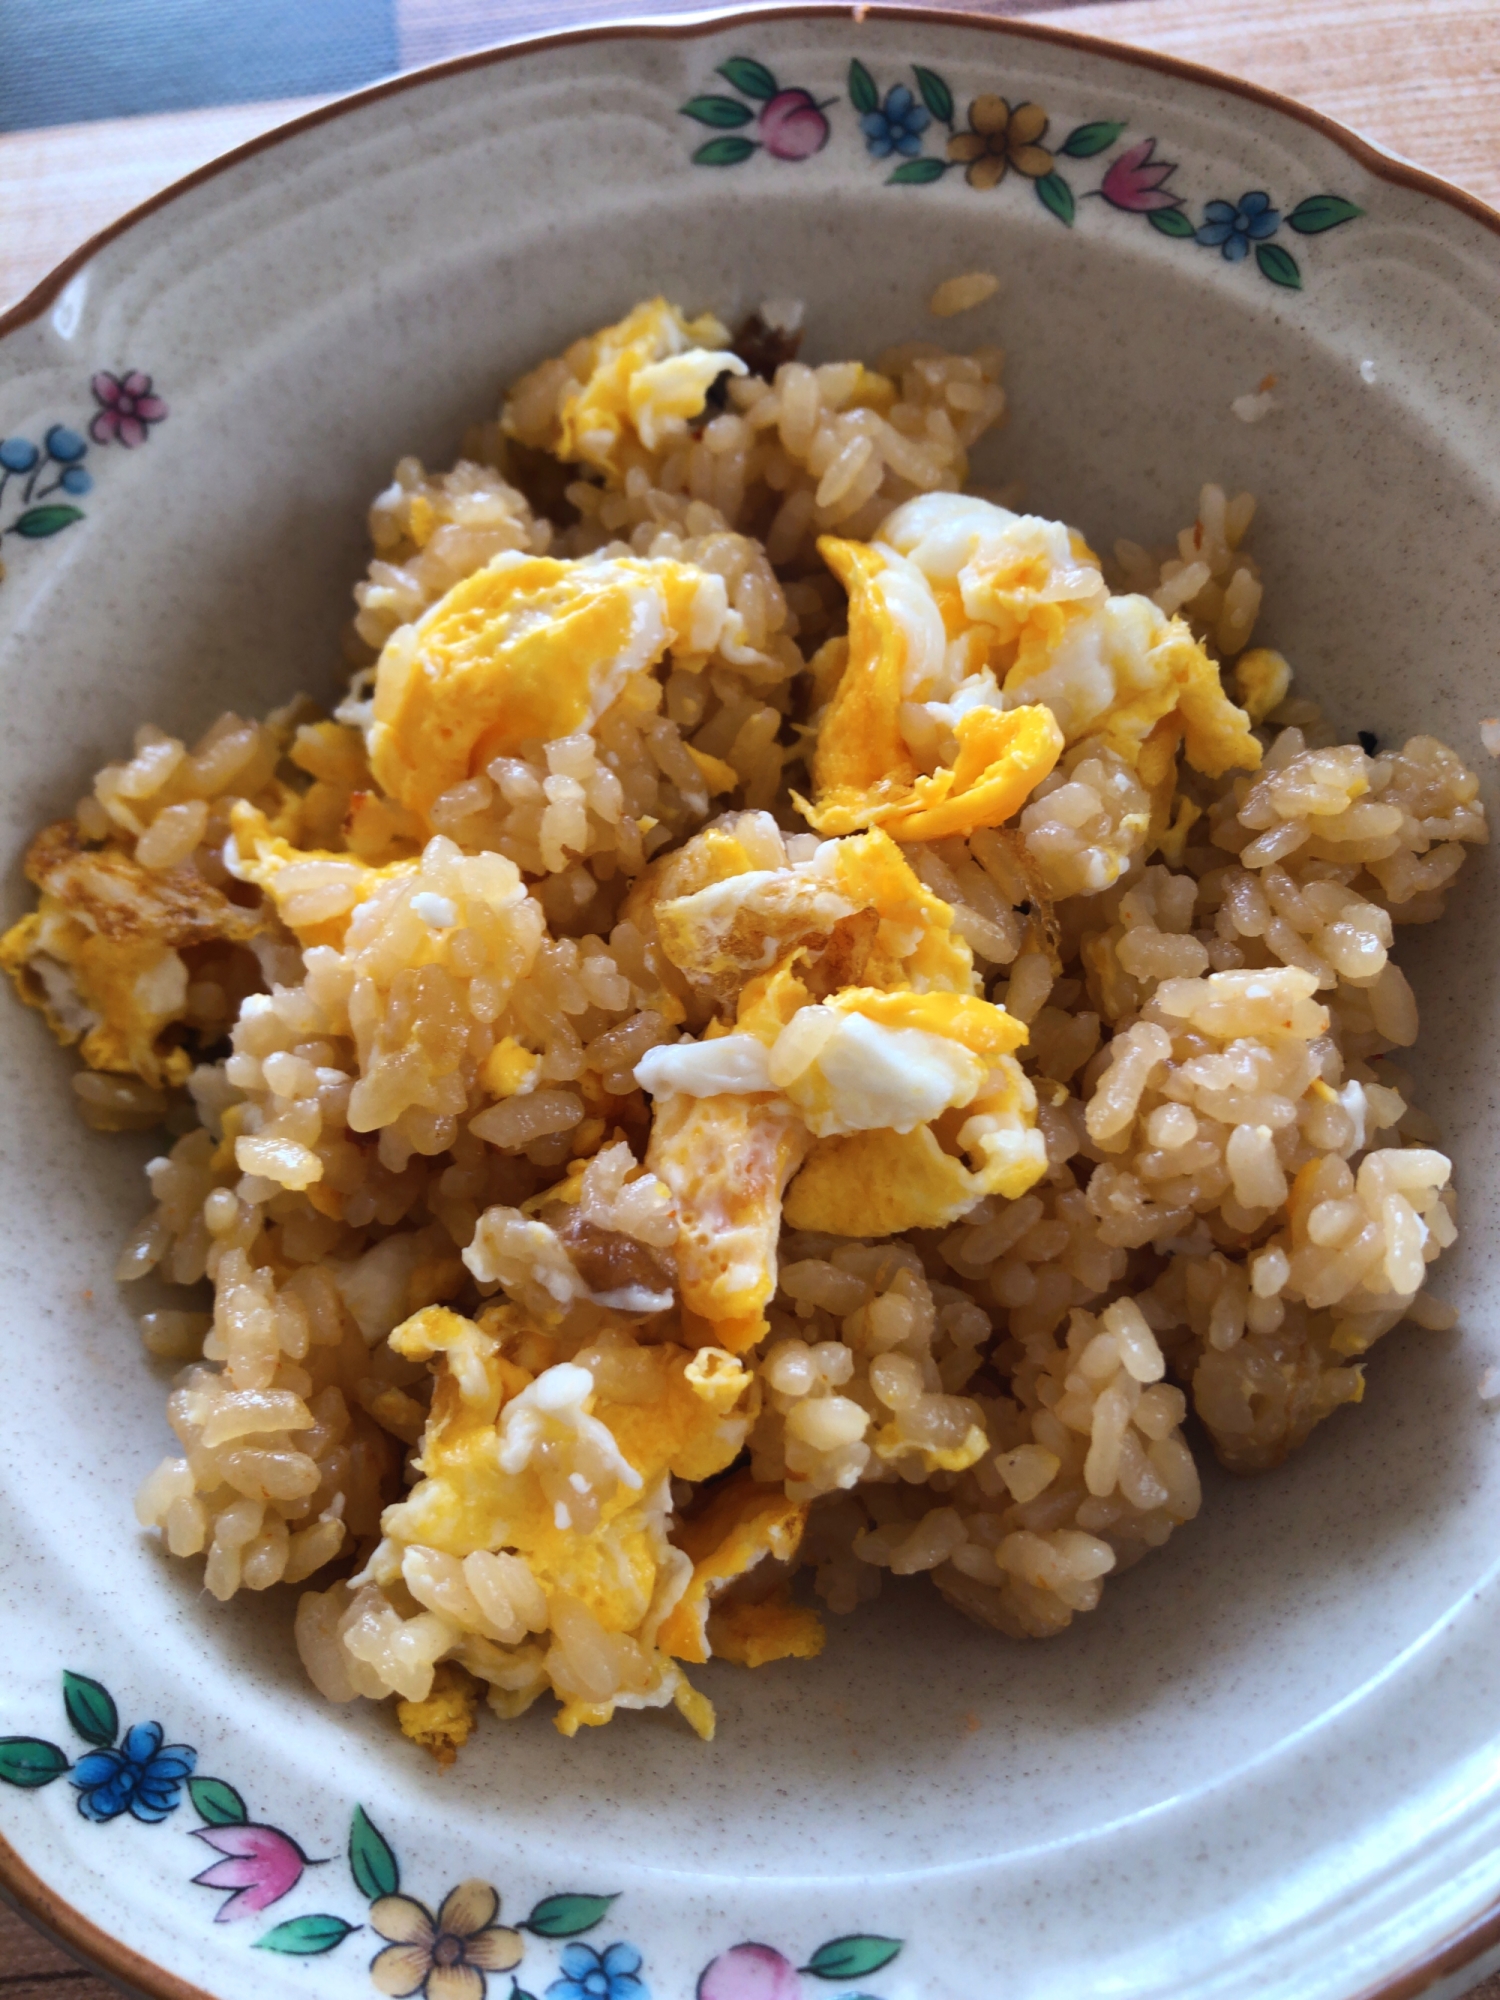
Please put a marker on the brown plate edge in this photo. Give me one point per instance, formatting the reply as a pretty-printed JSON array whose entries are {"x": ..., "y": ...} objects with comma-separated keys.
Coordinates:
[
  {"x": 20, "y": 1882},
  {"x": 1479, "y": 1935},
  {"x": 66, "y": 1927}
]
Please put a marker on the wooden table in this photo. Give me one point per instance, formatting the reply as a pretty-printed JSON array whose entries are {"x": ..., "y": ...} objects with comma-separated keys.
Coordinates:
[{"x": 1421, "y": 77}]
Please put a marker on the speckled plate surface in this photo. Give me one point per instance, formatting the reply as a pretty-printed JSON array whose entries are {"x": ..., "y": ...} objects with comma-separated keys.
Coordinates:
[{"x": 1268, "y": 1766}]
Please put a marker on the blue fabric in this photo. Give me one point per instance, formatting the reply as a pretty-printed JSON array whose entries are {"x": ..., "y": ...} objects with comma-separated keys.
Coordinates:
[{"x": 64, "y": 61}]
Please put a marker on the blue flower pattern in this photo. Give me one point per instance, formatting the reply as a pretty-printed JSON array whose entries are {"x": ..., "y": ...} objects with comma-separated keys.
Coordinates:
[
  {"x": 1231, "y": 227},
  {"x": 610, "y": 1974},
  {"x": 141, "y": 1777},
  {"x": 64, "y": 445},
  {"x": 60, "y": 455},
  {"x": 898, "y": 125}
]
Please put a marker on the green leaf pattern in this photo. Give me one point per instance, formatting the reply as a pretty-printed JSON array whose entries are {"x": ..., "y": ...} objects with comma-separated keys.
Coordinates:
[
  {"x": 1320, "y": 212},
  {"x": 218, "y": 1804},
  {"x": 852, "y": 1957},
  {"x": 567, "y": 1916},
  {"x": 719, "y": 111},
  {"x": 725, "y": 152},
  {"x": 37, "y": 523},
  {"x": 913, "y": 173},
  {"x": 306, "y": 1937},
  {"x": 935, "y": 94},
  {"x": 29, "y": 1762},
  {"x": 91, "y": 1709},
  {"x": 1279, "y": 265},
  {"x": 1053, "y": 192},
  {"x": 372, "y": 1861},
  {"x": 1084, "y": 141},
  {"x": 749, "y": 76},
  {"x": 862, "y": 92}
]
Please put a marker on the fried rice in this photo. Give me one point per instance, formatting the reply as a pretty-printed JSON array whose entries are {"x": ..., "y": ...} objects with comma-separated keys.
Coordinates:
[{"x": 727, "y": 1065}]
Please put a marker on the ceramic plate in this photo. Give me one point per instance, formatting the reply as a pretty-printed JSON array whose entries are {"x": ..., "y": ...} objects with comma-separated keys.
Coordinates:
[{"x": 1268, "y": 1766}]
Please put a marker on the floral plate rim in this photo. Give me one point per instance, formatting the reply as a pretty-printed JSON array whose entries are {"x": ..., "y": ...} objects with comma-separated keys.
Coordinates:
[
  {"x": 20, "y": 1885},
  {"x": 1375, "y": 159}
]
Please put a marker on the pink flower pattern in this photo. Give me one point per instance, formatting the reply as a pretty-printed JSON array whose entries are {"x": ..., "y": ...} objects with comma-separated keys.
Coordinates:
[
  {"x": 759, "y": 1972},
  {"x": 126, "y": 408},
  {"x": 1135, "y": 181},
  {"x": 750, "y": 1972},
  {"x": 792, "y": 126},
  {"x": 262, "y": 1867}
]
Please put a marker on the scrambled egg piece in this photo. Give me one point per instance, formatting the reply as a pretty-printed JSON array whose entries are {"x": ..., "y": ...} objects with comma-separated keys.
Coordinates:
[
  {"x": 441, "y": 1724},
  {"x": 866, "y": 1060},
  {"x": 874, "y": 1183},
  {"x": 529, "y": 649},
  {"x": 643, "y": 380},
  {"x": 995, "y": 575},
  {"x": 727, "y": 1159},
  {"x": 916, "y": 944},
  {"x": 746, "y": 919},
  {"x": 982, "y": 643},
  {"x": 739, "y": 1529},
  {"x": 860, "y": 1061},
  {"x": 901, "y": 1040},
  {"x": 880, "y": 1091},
  {"x": 100, "y": 955},
  {"x": 510, "y": 1069},
  {"x": 1262, "y": 680},
  {"x": 113, "y": 997},
  {"x": 775, "y": 1628},
  {"x": 1111, "y": 677},
  {"x": 864, "y": 772},
  {"x": 729, "y": 906},
  {"x": 575, "y": 1485}
]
